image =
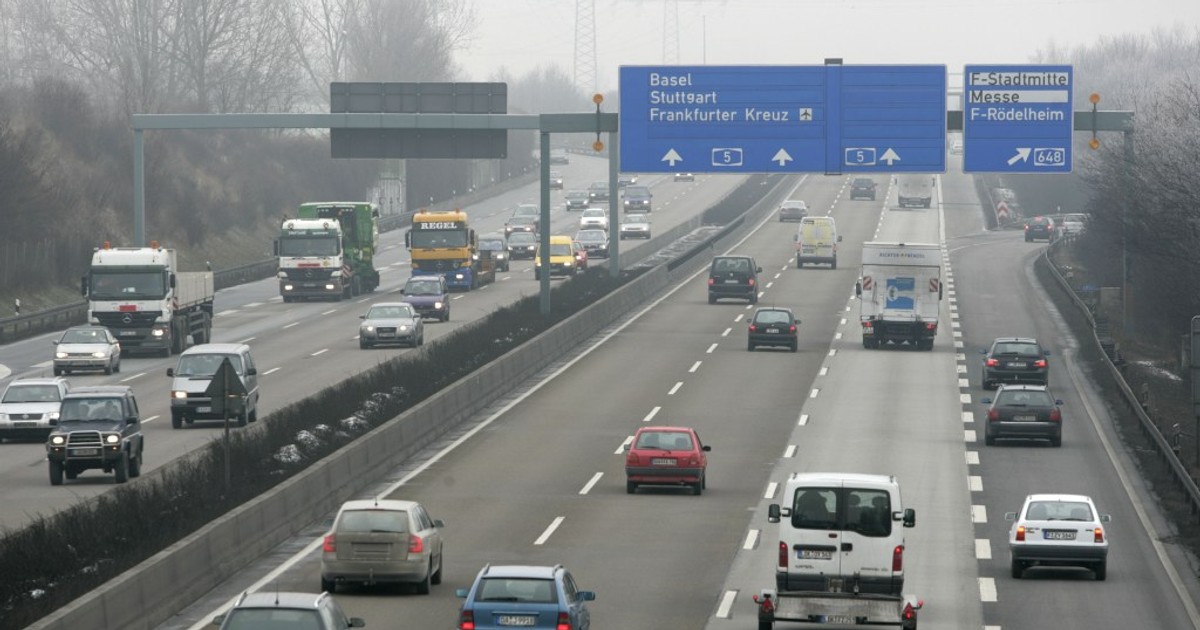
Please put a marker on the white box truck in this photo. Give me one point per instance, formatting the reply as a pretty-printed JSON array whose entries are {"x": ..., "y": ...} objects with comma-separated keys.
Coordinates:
[
  {"x": 841, "y": 553},
  {"x": 900, "y": 293}
]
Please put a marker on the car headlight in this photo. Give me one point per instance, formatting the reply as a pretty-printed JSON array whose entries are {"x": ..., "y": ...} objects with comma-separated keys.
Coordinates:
[
  {"x": 288, "y": 287},
  {"x": 53, "y": 415},
  {"x": 58, "y": 440},
  {"x": 499, "y": 256},
  {"x": 179, "y": 394},
  {"x": 337, "y": 273},
  {"x": 60, "y": 355},
  {"x": 99, "y": 355},
  {"x": 403, "y": 327},
  {"x": 112, "y": 438},
  {"x": 158, "y": 332},
  {"x": 369, "y": 328},
  {"x": 627, "y": 202},
  {"x": 437, "y": 305},
  {"x": 474, "y": 256},
  {"x": 329, "y": 287}
]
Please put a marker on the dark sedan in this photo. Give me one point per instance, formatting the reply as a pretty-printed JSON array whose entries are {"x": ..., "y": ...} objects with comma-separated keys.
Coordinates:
[
  {"x": 1039, "y": 228},
  {"x": 773, "y": 326},
  {"x": 1023, "y": 411},
  {"x": 1015, "y": 360},
  {"x": 522, "y": 245}
]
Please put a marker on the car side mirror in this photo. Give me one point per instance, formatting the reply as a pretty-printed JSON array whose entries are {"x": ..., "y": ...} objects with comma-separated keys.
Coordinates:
[
  {"x": 437, "y": 522},
  {"x": 460, "y": 592},
  {"x": 327, "y": 523},
  {"x": 362, "y": 316},
  {"x": 773, "y": 513},
  {"x": 797, "y": 321},
  {"x": 586, "y": 596},
  {"x": 54, "y": 342},
  {"x": 401, "y": 291},
  {"x": 985, "y": 401},
  {"x": 1010, "y": 516},
  {"x": 706, "y": 448},
  {"x": 1105, "y": 518},
  {"x": 983, "y": 351},
  {"x": 1058, "y": 401},
  {"x": 252, "y": 372},
  {"x": 1046, "y": 352},
  {"x": 170, "y": 371},
  {"x": 218, "y": 620},
  {"x": 758, "y": 270},
  {"x": 910, "y": 517},
  {"x": 795, "y": 237}
]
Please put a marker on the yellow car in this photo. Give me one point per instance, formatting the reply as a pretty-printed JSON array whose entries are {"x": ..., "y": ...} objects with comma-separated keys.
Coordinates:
[{"x": 562, "y": 258}]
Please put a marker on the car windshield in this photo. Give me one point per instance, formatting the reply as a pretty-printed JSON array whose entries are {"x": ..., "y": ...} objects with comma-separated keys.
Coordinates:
[
  {"x": 261, "y": 618},
  {"x": 492, "y": 245},
  {"x": 1014, "y": 347},
  {"x": 394, "y": 311},
  {"x": 866, "y": 511},
  {"x": 635, "y": 218},
  {"x": 561, "y": 249},
  {"x": 529, "y": 590},
  {"x": 522, "y": 220},
  {"x": 599, "y": 186},
  {"x": 577, "y": 194},
  {"x": 594, "y": 212},
  {"x": 555, "y": 175},
  {"x": 423, "y": 287},
  {"x": 526, "y": 210},
  {"x": 85, "y": 409},
  {"x": 590, "y": 236},
  {"x": 1059, "y": 511},
  {"x": 205, "y": 364},
  {"x": 31, "y": 393},
  {"x": 127, "y": 285},
  {"x": 637, "y": 191},
  {"x": 1024, "y": 398},
  {"x": 521, "y": 238},
  {"x": 379, "y": 521},
  {"x": 665, "y": 440},
  {"x": 84, "y": 336},
  {"x": 740, "y": 265},
  {"x": 863, "y": 182},
  {"x": 795, "y": 204},
  {"x": 773, "y": 317}
]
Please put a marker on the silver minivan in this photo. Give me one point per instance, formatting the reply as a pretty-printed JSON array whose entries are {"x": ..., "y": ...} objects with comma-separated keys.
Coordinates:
[
  {"x": 193, "y": 375},
  {"x": 388, "y": 541}
]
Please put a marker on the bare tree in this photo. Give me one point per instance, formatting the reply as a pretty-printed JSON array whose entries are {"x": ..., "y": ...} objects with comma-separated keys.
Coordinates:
[
  {"x": 318, "y": 31},
  {"x": 406, "y": 40}
]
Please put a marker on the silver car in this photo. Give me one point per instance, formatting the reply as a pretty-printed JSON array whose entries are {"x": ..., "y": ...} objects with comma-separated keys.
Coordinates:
[
  {"x": 382, "y": 541},
  {"x": 87, "y": 348},
  {"x": 391, "y": 322},
  {"x": 635, "y": 226},
  {"x": 29, "y": 407}
]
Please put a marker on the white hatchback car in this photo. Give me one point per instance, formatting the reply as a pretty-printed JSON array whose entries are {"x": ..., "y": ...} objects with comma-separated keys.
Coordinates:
[
  {"x": 1058, "y": 530},
  {"x": 595, "y": 218}
]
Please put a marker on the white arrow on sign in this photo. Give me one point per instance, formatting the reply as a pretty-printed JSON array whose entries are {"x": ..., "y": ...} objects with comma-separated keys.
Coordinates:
[
  {"x": 782, "y": 157},
  {"x": 671, "y": 157},
  {"x": 1021, "y": 156},
  {"x": 889, "y": 156}
]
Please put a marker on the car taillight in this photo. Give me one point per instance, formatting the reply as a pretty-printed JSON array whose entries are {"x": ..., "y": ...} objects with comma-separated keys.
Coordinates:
[
  {"x": 711, "y": 281},
  {"x": 1099, "y": 535},
  {"x": 1040, "y": 363},
  {"x": 792, "y": 328},
  {"x": 783, "y": 555},
  {"x": 694, "y": 461},
  {"x": 415, "y": 544},
  {"x": 909, "y": 614},
  {"x": 1020, "y": 532},
  {"x": 564, "y": 622},
  {"x": 1026, "y": 227},
  {"x": 330, "y": 544},
  {"x": 993, "y": 415},
  {"x": 993, "y": 362},
  {"x": 1055, "y": 415},
  {"x": 866, "y": 325},
  {"x": 466, "y": 620},
  {"x": 750, "y": 281},
  {"x": 631, "y": 458},
  {"x": 898, "y": 559},
  {"x": 753, "y": 328},
  {"x": 931, "y": 326}
]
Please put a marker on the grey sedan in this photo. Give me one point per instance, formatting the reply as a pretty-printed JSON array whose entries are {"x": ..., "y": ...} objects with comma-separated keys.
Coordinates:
[{"x": 391, "y": 322}]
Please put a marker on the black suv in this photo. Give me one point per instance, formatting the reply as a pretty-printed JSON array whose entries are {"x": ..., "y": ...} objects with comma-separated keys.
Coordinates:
[
  {"x": 1015, "y": 360},
  {"x": 733, "y": 277},
  {"x": 636, "y": 198},
  {"x": 863, "y": 187},
  {"x": 98, "y": 427},
  {"x": 598, "y": 192},
  {"x": 1039, "y": 227}
]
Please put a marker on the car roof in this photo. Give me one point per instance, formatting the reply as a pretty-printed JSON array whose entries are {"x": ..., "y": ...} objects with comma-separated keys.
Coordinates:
[
  {"x": 666, "y": 428},
  {"x": 559, "y": 239},
  {"x": 1023, "y": 388},
  {"x": 798, "y": 202},
  {"x": 491, "y": 236},
  {"x": 37, "y": 381},
  {"x": 276, "y": 599},
  {"x": 1059, "y": 497},
  {"x": 1014, "y": 340},
  {"x": 388, "y": 304},
  {"x": 830, "y": 478},
  {"x": 378, "y": 504},
  {"x": 217, "y": 348},
  {"x": 92, "y": 391},
  {"x": 520, "y": 571}
]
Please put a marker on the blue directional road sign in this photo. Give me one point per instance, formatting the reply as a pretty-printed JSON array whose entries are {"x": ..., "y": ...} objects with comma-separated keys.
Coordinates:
[
  {"x": 791, "y": 119},
  {"x": 1017, "y": 119}
]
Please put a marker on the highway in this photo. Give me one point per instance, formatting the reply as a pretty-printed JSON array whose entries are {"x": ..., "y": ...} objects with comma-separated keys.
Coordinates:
[
  {"x": 541, "y": 480},
  {"x": 303, "y": 347}
]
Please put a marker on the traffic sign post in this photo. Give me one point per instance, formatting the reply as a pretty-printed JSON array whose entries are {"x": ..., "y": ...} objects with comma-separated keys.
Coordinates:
[
  {"x": 783, "y": 119},
  {"x": 228, "y": 395},
  {"x": 1017, "y": 119}
]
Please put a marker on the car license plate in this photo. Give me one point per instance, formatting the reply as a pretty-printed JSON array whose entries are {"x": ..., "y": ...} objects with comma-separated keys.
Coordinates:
[
  {"x": 814, "y": 554},
  {"x": 842, "y": 619},
  {"x": 85, "y": 452},
  {"x": 203, "y": 409},
  {"x": 663, "y": 461},
  {"x": 1059, "y": 535},
  {"x": 127, "y": 333},
  {"x": 731, "y": 281},
  {"x": 1024, "y": 418},
  {"x": 516, "y": 620},
  {"x": 386, "y": 335},
  {"x": 772, "y": 330},
  {"x": 1016, "y": 365},
  {"x": 24, "y": 424}
]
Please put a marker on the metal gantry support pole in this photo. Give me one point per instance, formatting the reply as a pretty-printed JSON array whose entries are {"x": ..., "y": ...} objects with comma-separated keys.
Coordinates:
[
  {"x": 1126, "y": 324},
  {"x": 544, "y": 226},
  {"x": 139, "y": 191},
  {"x": 614, "y": 217}
]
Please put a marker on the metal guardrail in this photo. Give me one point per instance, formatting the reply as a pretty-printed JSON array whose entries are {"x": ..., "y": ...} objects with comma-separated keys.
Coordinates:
[{"x": 1149, "y": 429}]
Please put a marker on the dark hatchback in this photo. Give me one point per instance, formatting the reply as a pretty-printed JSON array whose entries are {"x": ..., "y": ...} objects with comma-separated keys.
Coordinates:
[
  {"x": 1023, "y": 411},
  {"x": 862, "y": 188},
  {"x": 773, "y": 326},
  {"x": 733, "y": 277},
  {"x": 1039, "y": 228},
  {"x": 522, "y": 245},
  {"x": 636, "y": 199},
  {"x": 1015, "y": 360}
]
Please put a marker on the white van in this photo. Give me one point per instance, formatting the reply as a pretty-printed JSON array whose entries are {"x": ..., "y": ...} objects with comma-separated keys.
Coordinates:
[
  {"x": 841, "y": 532},
  {"x": 816, "y": 242},
  {"x": 193, "y": 375}
]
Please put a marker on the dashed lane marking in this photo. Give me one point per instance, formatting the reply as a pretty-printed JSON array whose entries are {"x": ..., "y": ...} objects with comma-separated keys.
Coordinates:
[
  {"x": 592, "y": 482},
  {"x": 650, "y": 416},
  {"x": 675, "y": 389},
  {"x": 979, "y": 514},
  {"x": 541, "y": 540}
]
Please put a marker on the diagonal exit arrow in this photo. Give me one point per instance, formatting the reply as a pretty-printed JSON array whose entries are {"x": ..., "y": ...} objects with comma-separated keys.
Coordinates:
[
  {"x": 1021, "y": 156},
  {"x": 672, "y": 157}
]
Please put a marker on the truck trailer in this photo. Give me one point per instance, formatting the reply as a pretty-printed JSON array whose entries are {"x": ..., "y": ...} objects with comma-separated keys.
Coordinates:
[{"x": 900, "y": 292}]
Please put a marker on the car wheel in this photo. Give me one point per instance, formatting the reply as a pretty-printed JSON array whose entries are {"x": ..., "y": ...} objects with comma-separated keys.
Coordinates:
[
  {"x": 243, "y": 418},
  {"x": 56, "y": 473},
  {"x": 749, "y": 347},
  {"x": 1101, "y": 571},
  {"x": 1028, "y": 240},
  {"x": 437, "y": 575},
  {"x": 363, "y": 345},
  {"x": 630, "y": 487},
  {"x": 1056, "y": 441},
  {"x": 176, "y": 420},
  {"x": 135, "y": 467},
  {"x": 795, "y": 346},
  {"x": 1018, "y": 569},
  {"x": 766, "y": 625},
  {"x": 108, "y": 369},
  {"x": 117, "y": 365},
  {"x": 754, "y": 299},
  {"x": 698, "y": 488},
  {"x": 712, "y": 299},
  {"x": 446, "y": 316},
  {"x": 989, "y": 439},
  {"x": 58, "y": 372},
  {"x": 121, "y": 469},
  {"x": 704, "y": 480},
  {"x": 425, "y": 585},
  {"x": 833, "y": 265},
  {"x": 328, "y": 586},
  {"x": 799, "y": 265}
]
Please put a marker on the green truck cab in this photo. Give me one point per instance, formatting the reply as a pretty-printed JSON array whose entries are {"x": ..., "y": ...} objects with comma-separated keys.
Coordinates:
[{"x": 360, "y": 238}]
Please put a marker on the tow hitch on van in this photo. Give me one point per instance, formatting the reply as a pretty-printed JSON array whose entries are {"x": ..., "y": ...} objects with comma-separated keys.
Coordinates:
[{"x": 836, "y": 608}]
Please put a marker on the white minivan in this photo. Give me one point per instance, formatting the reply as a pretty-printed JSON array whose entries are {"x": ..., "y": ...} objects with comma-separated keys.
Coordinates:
[
  {"x": 841, "y": 532},
  {"x": 817, "y": 242},
  {"x": 194, "y": 373}
]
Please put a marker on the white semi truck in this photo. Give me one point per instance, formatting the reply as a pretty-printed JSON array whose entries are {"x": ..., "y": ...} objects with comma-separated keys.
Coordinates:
[
  {"x": 900, "y": 293},
  {"x": 149, "y": 305},
  {"x": 311, "y": 260},
  {"x": 841, "y": 553}
]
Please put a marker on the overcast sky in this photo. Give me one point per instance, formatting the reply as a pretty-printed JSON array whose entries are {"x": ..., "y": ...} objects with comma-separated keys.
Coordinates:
[{"x": 521, "y": 35}]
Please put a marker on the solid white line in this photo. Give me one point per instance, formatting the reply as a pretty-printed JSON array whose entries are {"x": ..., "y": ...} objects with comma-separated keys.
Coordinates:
[
  {"x": 131, "y": 377},
  {"x": 458, "y": 297},
  {"x": 770, "y": 493},
  {"x": 650, "y": 416},
  {"x": 695, "y": 366},
  {"x": 43, "y": 364},
  {"x": 710, "y": 349},
  {"x": 270, "y": 371},
  {"x": 975, "y": 482},
  {"x": 330, "y": 311},
  {"x": 726, "y": 604},
  {"x": 588, "y": 486},
  {"x": 983, "y": 549},
  {"x": 321, "y": 351},
  {"x": 291, "y": 324},
  {"x": 987, "y": 589},
  {"x": 978, "y": 513},
  {"x": 228, "y": 312},
  {"x": 247, "y": 340},
  {"x": 724, "y": 334},
  {"x": 803, "y": 419},
  {"x": 675, "y": 389},
  {"x": 150, "y": 419},
  {"x": 751, "y": 540},
  {"x": 791, "y": 451},
  {"x": 368, "y": 298},
  {"x": 621, "y": 449},
  {"x": 541, "y": 540}
]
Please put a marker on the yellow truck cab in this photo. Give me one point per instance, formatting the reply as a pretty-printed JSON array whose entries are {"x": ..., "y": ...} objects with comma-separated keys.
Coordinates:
[
  {"x": 562, "y": 258},
  {"x": 816, "y": 242}
]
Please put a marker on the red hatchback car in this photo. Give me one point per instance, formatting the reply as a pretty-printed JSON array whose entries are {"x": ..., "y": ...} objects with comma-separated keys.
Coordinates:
[{"x": 666, "y": 456}]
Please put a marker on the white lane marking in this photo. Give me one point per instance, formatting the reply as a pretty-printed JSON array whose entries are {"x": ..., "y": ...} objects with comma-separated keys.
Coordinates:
[
  {"x": 987, "y": 589},
  {"x": 972, "y": 458},
  {"x": 541, "y": 540},
  {"x": 695, "y": 366},
  {"x": 484, "y": 287},
  {"x": 760, "y": 294},
  {"x": 726, "y": 604},
  {"x": 675, "y": 389},
  {"x": 777, "y": 275},
  {"x": 330, "y": 311},
  {"x": 983, "y": 549},
  {"x": 724, "y": 334},
  {"x": 969, "y": 436},
  {"x": 814, "y": 392},
  {"x": 832, "y": 351},
  {"x": 769, "y": 285},
  {"x": 621, "y": 449},
  {"x": 960, "y": 357},
  {"x": 803, "y": 419},
  {"x": 592, "y": 482},
  {"x": 975, "y": 482},
  {"x": 44, "y": 364},
  {"x": 837, "y": 335},
  {"x": 133, "y": 376},
  {"x": 771, "y": 488},
  {"x": 291, "y": 324},
  {"x": 968, "y": 417},
  {"x": 964, "y": 383},
  {"x": 458, "y": 297},
  {"x": 368, "y": 298},
  {"x": 751, "y": 540},
  {"x": 964, "y": 399},
  {"x": 321, "y": 351},
  {"x": 228, "y": 312},
  {"x": 252, "y": 305},
  {"x": 960, "y": 368},
  {"x": 785, "y": 267},
  {"x": 738, "y": 318},
  {"x": 791, "y": 451},
  {"x": 978, "y": 513},
  {"x": 650, "y": 416},
  {"x": 150, "y": 419},
  {"x": 842, "y": 322},
  {"x": 750, "y": 306},
  {"x": 958, "y": 343},
  {"x": 247, "y": 340},
  {"x": 823, "y": 371}
]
